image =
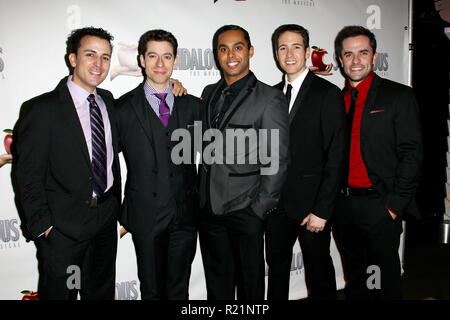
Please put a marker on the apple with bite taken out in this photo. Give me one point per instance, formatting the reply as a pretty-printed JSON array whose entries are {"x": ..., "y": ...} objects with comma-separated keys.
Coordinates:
[
  {"x": 317, "y": 58},
  {"x": 8, "y": 140},
  {"x": 29, "y": 295}
]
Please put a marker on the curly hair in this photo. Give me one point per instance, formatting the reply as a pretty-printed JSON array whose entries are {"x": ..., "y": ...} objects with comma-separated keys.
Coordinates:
[{"x": 73, "y": 42}]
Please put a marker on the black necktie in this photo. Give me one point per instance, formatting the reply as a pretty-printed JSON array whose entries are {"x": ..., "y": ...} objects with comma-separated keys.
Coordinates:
[
  {"x": 288, "y": 94},
  {"x": 220, "y": 108},
  {"x": 350, "y": 115},
  {"x": 98, "y": 147},
  {"x": 351, "y": 109}
]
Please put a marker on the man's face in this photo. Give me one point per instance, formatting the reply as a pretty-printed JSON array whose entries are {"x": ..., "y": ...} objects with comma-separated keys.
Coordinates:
[
  {"x": 91, "y": 62},
  {"x": 159, "y": 62},
  {"x": 357, "y": 58},
  {"x": 292, "y": 54},
  {"x": 234, "y": 55}
]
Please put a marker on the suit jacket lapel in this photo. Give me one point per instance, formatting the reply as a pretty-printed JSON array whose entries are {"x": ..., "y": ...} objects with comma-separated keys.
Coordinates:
[
  {"x": 298, "y": 105},
  {"x": 209, "y": 100},
  {"x": 238, "y": 100},
  {"x": 111, "y": 117},
  {"x": 140, "y": 106},
  {"x": 370, "y": 100},
  {"x": 70, "y": 115}
]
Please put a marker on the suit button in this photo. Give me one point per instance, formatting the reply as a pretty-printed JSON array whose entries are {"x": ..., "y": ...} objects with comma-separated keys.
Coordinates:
[
  {"x": 167, "y": 134},
  {"x": 155, "y": 194},
  {"x": 90, "y": 178}
]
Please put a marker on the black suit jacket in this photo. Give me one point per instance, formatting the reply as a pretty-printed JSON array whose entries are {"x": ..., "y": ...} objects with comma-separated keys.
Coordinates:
[
  {"x": 391, "y": 144},
  {"x": 318, "y": 149},
  {"x": 141, "y": 204},
  {"x": 52, "y": 165},
  {"x": 237, "y": 186}
]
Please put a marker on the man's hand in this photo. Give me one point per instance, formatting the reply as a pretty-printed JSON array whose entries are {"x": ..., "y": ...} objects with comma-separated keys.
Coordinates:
[
  {"x": 393, "y": 215},
  {"x": 178, "y": 89},
  {"x": 47, "y": 232},
  {"x": 314, "y": 223},
  {"x": 4, "y": 159},
  {"x": 123, "y": 232},
  {"x": 326, "y": 72}
]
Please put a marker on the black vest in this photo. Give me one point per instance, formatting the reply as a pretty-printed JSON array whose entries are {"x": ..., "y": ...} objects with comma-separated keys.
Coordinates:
[{"x": 169, "y": 177}]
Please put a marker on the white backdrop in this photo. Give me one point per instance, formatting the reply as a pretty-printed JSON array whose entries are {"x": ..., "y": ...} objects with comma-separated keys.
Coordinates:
[{"x": 32, "y": 47}]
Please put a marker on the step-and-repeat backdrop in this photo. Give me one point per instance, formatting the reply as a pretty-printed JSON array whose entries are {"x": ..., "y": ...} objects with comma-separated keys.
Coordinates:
[{"x": 32, "y": 48}]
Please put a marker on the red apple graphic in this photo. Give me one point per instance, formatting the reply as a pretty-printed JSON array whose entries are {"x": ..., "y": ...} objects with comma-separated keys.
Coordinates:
[
  {"x": 29, "y": 295},
  {"x": 317, "y": 56},
  {"x": 8, "y": 140}
]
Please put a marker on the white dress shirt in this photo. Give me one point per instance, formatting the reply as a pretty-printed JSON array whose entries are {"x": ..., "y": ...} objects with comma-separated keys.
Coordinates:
[{"x": 296, "y": 85}]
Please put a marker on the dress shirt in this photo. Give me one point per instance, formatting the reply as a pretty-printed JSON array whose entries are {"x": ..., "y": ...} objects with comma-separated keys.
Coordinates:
[
  {"x": 79, "y": 97},
  {"x": 296, "y": 85},
  {"x": 357, "y": 177},
  {"x": 154, "y": 100}
]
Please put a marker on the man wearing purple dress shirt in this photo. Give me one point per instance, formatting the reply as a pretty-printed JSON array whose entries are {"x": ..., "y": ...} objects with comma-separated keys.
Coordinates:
[
  {"x": 67, "y": 175},
  {"x": 159, "y": 207}
]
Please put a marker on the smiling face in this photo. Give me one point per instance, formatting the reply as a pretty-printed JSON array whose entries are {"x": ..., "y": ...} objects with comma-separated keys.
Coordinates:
[
  {"x": 292, "y": 54},
  {"x": 91, "y": 62},
  {"x": 158, "y": 62},
  {"x": 357, "y": 58},
  {"x": 234, "y": 55}
]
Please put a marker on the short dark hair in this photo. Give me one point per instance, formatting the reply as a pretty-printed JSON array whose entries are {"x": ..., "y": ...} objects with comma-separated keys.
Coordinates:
[
  {"x": 226, "y": 28},
  {"x": 155, "y": 35},
  {"x": 293, "y": 28},
  {"x": 353, "y": 31},
  {"x": 73, "y": 42}
]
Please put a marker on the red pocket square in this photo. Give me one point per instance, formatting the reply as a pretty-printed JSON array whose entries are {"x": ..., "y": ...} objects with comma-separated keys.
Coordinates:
[{"x": 376, "y": 111}]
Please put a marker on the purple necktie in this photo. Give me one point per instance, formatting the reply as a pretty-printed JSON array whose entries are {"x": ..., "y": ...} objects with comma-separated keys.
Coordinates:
[
  {"x": 164, "y": 111},
  {"x": 98, "y": 147}
]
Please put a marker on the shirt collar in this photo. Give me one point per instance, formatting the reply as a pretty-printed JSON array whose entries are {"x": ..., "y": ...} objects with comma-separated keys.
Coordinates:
[
  {"x": 297, "y": 83},
  {"x": 362, "y": 87},
  {"x": 149, "y": 91},
  {"x": 79, "y": 95},
  {"x": 148, "y": 88},
  {"x": 237, "y": 86}
]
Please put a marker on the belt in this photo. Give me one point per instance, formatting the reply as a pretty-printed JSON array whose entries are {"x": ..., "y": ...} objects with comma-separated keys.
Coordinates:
[
  {"x": 95, "y": 201},
  {"x": 359, "y": 191}
]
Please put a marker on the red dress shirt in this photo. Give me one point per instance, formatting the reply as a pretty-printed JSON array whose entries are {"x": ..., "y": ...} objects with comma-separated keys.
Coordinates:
[{"x": 357, "y": 177}]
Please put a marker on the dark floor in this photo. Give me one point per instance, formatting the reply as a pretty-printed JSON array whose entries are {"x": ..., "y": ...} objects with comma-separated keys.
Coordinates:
[{"x": 426, "y": 264}]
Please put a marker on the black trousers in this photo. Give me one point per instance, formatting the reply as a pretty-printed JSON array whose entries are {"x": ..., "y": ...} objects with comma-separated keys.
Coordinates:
[
  {"x": 368, "y": 236},
  {"x": 164, "y": 257},
  {"x": 86, "y": 266},
  {"x": 232, "y": 249},
  {"x": 281, "y": 234}
]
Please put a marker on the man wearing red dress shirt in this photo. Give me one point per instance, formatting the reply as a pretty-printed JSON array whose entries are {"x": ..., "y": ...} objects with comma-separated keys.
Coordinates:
[{"x": 383, "y": 169}]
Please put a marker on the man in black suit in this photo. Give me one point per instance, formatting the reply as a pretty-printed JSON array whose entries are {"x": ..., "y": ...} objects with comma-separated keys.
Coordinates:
[
  {"x": 160, "y": 203},
  {"x": 318, "y": 150},
  {"x": 239, "y": 188},
  {"x": 383, "y": 169},
  {"x": 68, "y": 176}
]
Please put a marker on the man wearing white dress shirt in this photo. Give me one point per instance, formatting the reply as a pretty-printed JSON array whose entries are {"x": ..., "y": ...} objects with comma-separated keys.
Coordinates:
[{"x": 318, "y": 144}]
